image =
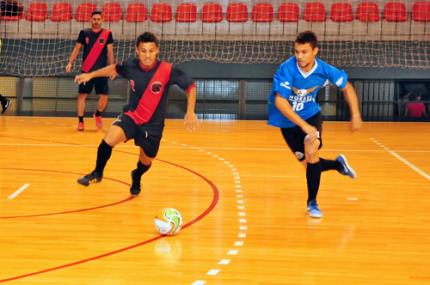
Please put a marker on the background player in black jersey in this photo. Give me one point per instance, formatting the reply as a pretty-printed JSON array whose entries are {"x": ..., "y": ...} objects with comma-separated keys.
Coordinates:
[
  {"x": 5, "y": 103},
  {"x": 143, "y": 117},
  {"x": 98, "y": 52}
]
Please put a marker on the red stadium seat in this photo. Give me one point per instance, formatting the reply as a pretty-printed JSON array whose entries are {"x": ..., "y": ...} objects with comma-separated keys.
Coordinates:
[
  {"x": 136, "y": 12},
  {"x": 84, "y": 11},
  {"x": 211, "y": 13},
  {"x": 186, "y": 13},
  {"x": 262, "y": 12},
  {"x": 314, "y": 12},
  {"x": 395, "y": 12},
  {"x": 288, "y": 12},
  {"x": 368, "y": 12},
  {"x": 421, "y": 12},
  {"x": 61, "y": 12},
  {"x": 237, "y": 13},
  {"x": 161, "y": 13},
  {"x": 37, "y": 12},
  {"x": 112, "y": 12},
  {"x": 341, "y": 12}
]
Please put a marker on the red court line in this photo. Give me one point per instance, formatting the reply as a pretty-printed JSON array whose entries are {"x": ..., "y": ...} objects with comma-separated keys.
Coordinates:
[{"x": 215, "y": 200}]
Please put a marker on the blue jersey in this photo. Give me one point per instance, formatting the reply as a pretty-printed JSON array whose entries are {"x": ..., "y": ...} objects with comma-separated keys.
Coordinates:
[{"x": 301, "y": 89}]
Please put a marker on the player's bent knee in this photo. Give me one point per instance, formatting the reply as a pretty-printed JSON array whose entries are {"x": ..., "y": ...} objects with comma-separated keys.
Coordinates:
[
  {"x": 144, "y": 159},
  {"x": 115, "y": 135},
  {"x": 311, "y": 150}
]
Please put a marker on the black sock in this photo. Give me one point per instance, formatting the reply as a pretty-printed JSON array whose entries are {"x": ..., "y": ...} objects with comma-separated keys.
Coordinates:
[
  {"x": 327, "y": 164},
  {"x": 313, "y": 175},
  {"x": 103, "y": 155},
  {"x": 98, "y": 113},
  {"x": 81, "y": 119},
  {"x": 140, "y": 170}
]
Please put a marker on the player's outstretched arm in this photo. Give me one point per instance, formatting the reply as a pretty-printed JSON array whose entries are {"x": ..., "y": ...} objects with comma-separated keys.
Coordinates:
[
  {"x": 108, "y": 71},
  {"x": 190, "y": 120},
  {"x": 352, "y": 100}
]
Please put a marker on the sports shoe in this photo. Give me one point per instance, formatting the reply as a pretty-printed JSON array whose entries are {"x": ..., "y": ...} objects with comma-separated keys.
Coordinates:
[
  {"x": 92, "y": 177},
  {"x": 5, "y": 106},
  {"x": 99, "y": 121},
  {"x": 313, "y": 210},
  {"x": 80, "y": 126},
  {"x": 346, "y": 169},
  {"x": 135, "y": 185}
]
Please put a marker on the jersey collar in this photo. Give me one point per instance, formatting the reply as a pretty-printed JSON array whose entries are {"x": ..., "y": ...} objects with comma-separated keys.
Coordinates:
[
  {"x": 307, "y": 74},
  {"x": 146, "y": 69}
]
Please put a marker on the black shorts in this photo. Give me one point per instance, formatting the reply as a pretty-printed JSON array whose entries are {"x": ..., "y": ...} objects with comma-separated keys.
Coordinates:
[
  {"x": 100, "y": 83},
  {"x": 295, "y": 136},
  {"x": 150, "y": 143}
]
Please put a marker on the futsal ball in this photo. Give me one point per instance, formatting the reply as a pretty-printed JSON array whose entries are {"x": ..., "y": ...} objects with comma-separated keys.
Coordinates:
[{"x": 168, "y": 221}]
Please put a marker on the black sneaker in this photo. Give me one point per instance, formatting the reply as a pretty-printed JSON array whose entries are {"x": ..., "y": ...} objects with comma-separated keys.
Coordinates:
[
  {"x": 5, "y": 106},
  {"x": 135, "y": 184},
  {"x": 92, "y": 177}
]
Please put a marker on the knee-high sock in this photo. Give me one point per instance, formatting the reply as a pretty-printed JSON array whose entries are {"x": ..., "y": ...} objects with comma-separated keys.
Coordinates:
[
  {"x": 103, "y": 154},
  {"x": 327, "y": 164},
  {"x": 313, "y": 176},
  {"x": 141, "y": 169}
]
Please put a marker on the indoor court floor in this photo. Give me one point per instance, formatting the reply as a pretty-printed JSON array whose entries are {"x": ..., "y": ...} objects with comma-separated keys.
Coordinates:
[{"x": 242, "y": 196}]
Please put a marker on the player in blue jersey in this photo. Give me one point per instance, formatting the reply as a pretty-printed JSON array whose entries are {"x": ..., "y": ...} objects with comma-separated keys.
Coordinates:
[{"x": 293, "y": 108}]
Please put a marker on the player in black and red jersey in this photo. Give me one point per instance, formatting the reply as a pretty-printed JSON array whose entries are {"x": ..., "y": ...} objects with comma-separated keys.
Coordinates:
[
  {"x": 97, "y": 53},
  {"x": 143, "y": 117}
]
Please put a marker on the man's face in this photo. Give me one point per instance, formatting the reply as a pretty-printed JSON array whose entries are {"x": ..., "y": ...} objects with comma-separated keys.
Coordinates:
[
  {"x": 305, "y": 55},
  {"x": 96, "y": 21},
  {"x": 147, "y": 53}
]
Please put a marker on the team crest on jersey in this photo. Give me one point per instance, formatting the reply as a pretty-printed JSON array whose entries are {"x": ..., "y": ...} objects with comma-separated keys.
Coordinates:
[
  {"x": 303, "y": 92},
  {"x": 87, "y": 40},
  {"x": 101, "y": 41},
  {"x": 132, "y": 85},
  {"x": 156, "y": 87}
]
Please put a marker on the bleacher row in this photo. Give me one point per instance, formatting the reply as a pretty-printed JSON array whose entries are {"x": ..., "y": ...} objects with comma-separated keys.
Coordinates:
[{"x": 340, "y": 20}]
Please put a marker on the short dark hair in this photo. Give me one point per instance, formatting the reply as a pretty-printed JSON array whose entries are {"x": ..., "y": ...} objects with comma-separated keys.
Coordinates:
[
  {"x": 147, "y": 37},
  {"x": 307, "y": 37},
  {"x": 97, "y": 12}
]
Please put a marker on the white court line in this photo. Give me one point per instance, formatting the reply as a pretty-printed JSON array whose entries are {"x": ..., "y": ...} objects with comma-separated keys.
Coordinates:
[
  {"x": 415, "y": 168},
  {"x": 17, "y": 192},
  {"x": 213, "y": 272},
  {"x": 404, "y": 160}
]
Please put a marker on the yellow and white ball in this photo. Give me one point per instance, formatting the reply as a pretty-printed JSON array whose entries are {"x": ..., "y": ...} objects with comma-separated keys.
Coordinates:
[{"x": 168, "y": 221}]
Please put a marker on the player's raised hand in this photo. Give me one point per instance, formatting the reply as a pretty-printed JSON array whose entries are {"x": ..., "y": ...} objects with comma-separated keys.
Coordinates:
[
  {"x": 83, "y": 78},
  {"x": 191, "y": 122}
]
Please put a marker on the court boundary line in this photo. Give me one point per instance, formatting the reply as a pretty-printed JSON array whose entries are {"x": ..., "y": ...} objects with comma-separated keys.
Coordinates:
[{"x": 401, "y": 158}]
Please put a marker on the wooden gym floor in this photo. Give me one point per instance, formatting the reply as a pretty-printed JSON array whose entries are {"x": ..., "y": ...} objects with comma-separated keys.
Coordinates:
[{"x": 242, "y": 196}]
